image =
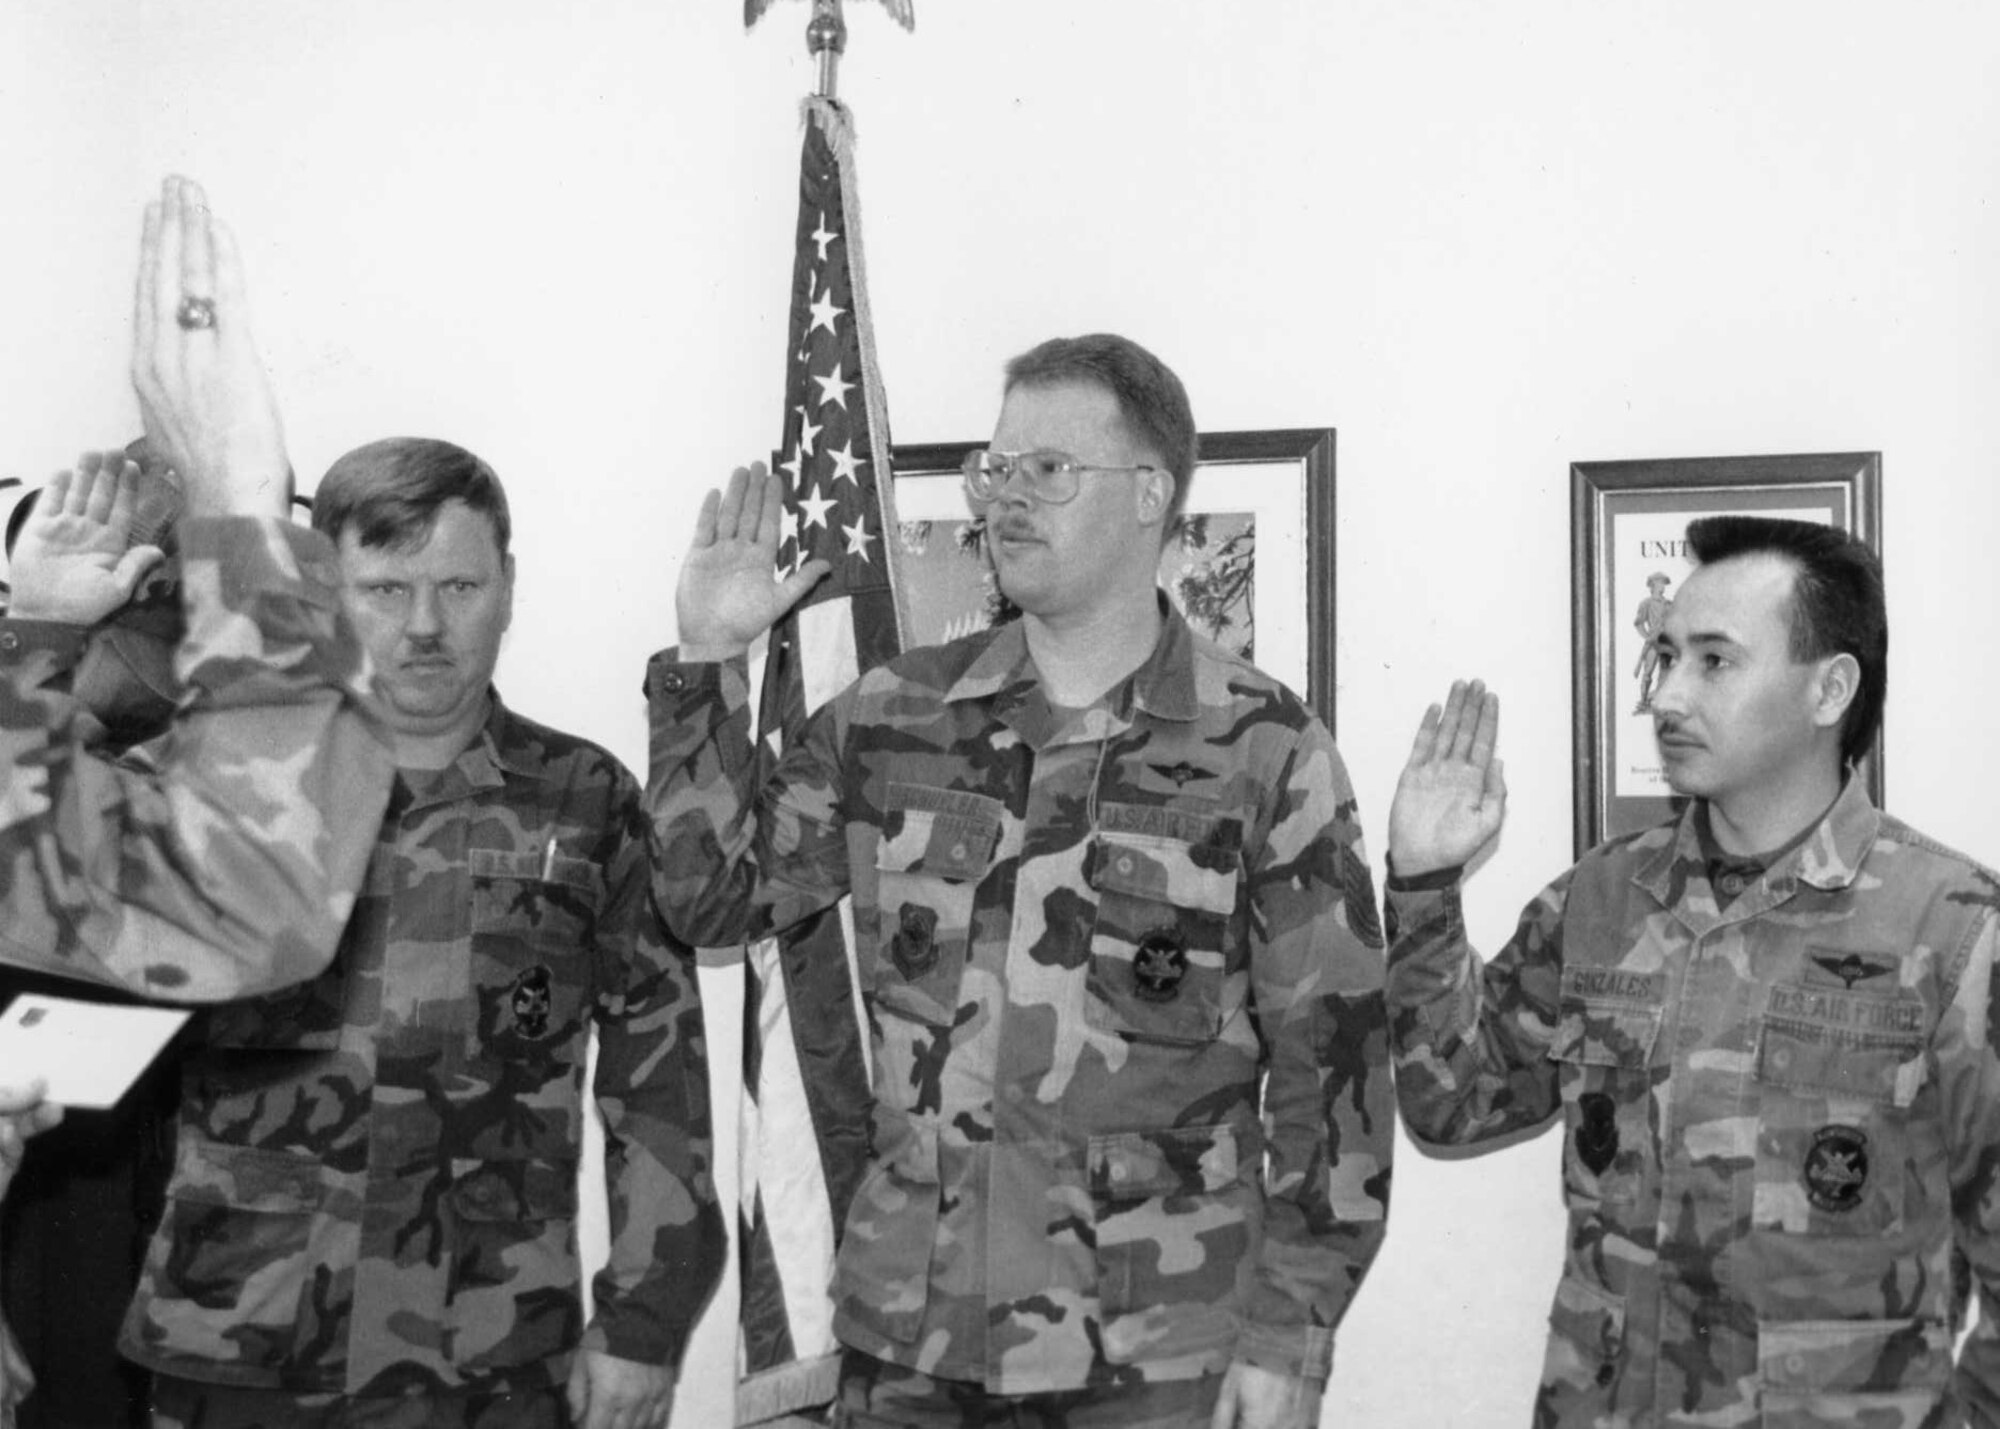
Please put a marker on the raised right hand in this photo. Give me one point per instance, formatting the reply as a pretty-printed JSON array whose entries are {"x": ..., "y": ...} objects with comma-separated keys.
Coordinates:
[
  {"x": 203, "y": 395},
  {"x": 1452, "y": 797},
  {"x": 729, "y": 590},
  {"x": 71, "y": 562}
]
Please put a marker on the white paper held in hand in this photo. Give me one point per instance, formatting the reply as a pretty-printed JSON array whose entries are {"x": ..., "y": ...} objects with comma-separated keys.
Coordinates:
[{"x": 88, "y": 1053}]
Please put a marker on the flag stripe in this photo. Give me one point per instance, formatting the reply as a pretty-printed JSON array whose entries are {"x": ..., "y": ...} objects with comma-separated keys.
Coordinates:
[{"x": 801, "y": 1245}]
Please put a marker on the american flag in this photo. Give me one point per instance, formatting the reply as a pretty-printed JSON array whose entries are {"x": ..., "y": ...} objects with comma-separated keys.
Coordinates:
[{"x": 805, "y": 1048}]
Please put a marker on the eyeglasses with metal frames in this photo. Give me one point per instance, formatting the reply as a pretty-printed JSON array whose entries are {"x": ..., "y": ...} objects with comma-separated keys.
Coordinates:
[{"x": 1052, "y": 477}]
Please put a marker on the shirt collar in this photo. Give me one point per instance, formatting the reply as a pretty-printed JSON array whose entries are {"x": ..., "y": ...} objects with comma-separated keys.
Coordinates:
[
  {"x": 1163, "y": 687},
  {"x": 1829, "y": 857},
  {"x": 503, "y": 748}
]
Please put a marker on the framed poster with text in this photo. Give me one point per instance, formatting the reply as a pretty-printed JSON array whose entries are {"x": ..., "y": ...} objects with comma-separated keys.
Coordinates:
[
  {"x": 1250, "y": 566},
  {"x": 1628, "y": 555}
]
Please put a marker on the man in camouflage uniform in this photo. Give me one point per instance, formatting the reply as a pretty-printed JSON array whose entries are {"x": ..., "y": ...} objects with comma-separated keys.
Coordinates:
[
  {"x": 1767, "y": 1026},
  {"x": 1107, "y": 881},
  {"x": 372, "y": 1217}
]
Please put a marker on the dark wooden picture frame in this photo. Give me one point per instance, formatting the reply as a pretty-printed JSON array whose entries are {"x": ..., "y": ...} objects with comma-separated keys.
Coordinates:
[
  {"x": 1258, "y": 560},
  {"x": 1624, "y": 519}
]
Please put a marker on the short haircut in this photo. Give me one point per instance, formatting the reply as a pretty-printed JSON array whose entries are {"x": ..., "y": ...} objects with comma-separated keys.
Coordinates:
[
  {"x": 1151, "y": 399},
  {"x": 1838, "y": 607},
  {"x": 389, "y": 492}
]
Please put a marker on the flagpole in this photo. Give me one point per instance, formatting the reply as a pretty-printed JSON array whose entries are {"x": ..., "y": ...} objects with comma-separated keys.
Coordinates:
[{"x": 826, "y": 39}]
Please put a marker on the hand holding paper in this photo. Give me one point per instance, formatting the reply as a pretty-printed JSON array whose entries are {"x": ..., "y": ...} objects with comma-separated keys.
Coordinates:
[{"x": 84, "y": 1054}]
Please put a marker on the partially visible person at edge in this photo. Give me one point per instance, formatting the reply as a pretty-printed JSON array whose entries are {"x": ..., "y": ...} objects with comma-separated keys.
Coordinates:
[
  {"x": 1767, "y": 1026},
  {"x": 372, "y": 1218},
  {"x": 223, "y": 859},
  {"x": 73, "y": 1223},
  {"x": 1133, "y": 1120}
]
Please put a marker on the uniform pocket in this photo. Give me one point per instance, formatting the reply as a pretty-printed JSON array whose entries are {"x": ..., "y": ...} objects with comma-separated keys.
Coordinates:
[
  {"x": 883, "y": 1284},
  {"x": 247, "y": 1267},
  {"x": 1173, "y": 1239},
  {"x": 532, "y": 917},
  {"x": 1167, "y": 884},
  {"x": 1819, "y": 1374},
  {"x": 936, "y": 845},
  {"x": 541, "y": 897},
  {"x": 1586, "y": 1344},
  {"x": 1832, "y": 1144},
  {"x": 512, "y": 1296},
  {"x": 1605, "y": 1050}
]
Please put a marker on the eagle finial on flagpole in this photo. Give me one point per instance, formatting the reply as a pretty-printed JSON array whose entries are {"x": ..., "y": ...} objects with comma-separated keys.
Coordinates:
[{"x": 905, "y": 11}]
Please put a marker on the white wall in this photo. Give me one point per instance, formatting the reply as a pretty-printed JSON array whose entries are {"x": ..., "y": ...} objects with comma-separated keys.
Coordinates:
[{"x": 1483, "y": 241}]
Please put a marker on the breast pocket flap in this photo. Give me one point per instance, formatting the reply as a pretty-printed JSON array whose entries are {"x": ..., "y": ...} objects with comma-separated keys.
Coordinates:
[
  {"x": 1605, "y": 1035},
  {"x": 953, "y": 844},
  {"x": 1165, "y": 871},
  {"x": 533, "y": 867},
  {"x": 1803, "y": 1056}
]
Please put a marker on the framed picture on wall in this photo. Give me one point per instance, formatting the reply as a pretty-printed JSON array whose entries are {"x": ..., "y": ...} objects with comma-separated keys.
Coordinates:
[
  {"x": 1628, "y": 555},
  {"x": 1251, "y": 564}
]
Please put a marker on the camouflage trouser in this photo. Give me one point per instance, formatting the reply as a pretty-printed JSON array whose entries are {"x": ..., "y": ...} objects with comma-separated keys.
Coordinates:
[
  {"x": 878, "y": 1395},
  {"x": 189, "y": 1404}
]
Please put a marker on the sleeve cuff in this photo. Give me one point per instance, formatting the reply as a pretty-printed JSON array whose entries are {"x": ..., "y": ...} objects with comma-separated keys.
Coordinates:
[
  {"x": 21, "y": 638},
  {"x": 668, "y": 674},
  {"x": 670, "y": 677},
  {"x": 1436, "y": 881},
  {"x": 661, "y": 1350}
]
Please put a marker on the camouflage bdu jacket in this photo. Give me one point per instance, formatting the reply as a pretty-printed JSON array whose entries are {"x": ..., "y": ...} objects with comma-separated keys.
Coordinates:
[
  {"x": 375, "y": 1188},
  {"x": 1082, "y": 941},
  {"x": 223, "y": 858},
  {"x": 1780, "y": 1119}
]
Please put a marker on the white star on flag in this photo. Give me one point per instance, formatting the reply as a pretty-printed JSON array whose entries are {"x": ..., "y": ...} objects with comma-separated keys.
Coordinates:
[
  {"x": 808, "y": 433},
  {"x": 858, "y": 537},
  {"x": 833, "y": 390},
  {"x": 846, "y": 465},
  {"x": 824, "y": 311},
  {"x": 814, "y": 508},
  {"x": 821, "y": 238}
]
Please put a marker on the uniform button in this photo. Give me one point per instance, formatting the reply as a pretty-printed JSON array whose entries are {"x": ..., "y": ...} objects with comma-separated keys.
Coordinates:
[
  {"x": 1120, "y": 1171},
  {"x": 958, "y": 853},
  {"x": 1731, "y": 884},
  {"x": 9, "y": 641},
  {"x": 1125, "y": 863},
  {"x": 1607, "y": 1372},
  {"x": 673, "y": 681},
  {"x": 1795, "y": 1364},
  {"x": 1781, "y": 1058}
]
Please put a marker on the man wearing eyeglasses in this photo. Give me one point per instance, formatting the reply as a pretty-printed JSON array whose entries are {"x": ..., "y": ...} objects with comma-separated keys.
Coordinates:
[{"x": 1118, "y": 940}]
